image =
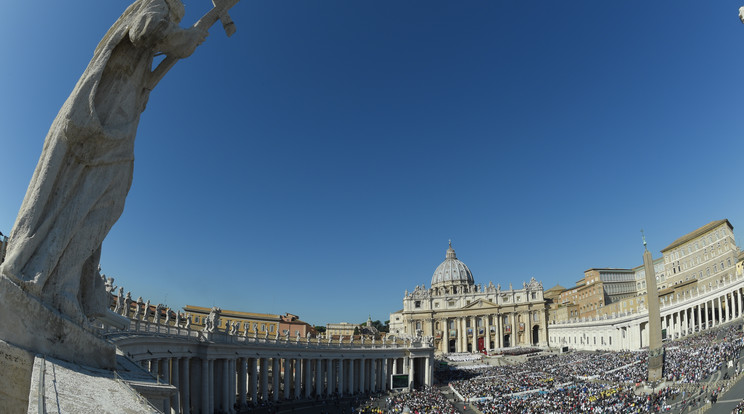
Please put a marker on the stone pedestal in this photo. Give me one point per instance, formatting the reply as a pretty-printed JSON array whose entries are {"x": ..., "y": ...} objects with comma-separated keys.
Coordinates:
[
  {"x": 16, "y": 366},
  {"x": 656, "y": 365},
  {"x": 28, "y": 323}
]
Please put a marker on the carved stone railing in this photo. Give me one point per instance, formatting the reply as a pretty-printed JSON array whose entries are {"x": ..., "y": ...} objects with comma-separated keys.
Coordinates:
[{"x": 154, "y": 328}]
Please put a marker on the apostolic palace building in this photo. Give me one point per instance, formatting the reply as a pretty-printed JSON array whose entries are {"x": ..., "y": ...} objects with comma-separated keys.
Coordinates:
[
  {"x": 464, "y": 317},
  {"x": 700, "y": 285}
]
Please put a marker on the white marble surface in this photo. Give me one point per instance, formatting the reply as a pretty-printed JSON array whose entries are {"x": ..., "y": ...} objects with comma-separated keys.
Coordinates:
[{"x": 71, "y": 388}]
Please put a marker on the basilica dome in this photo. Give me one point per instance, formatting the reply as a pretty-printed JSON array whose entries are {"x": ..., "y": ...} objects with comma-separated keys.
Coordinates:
[{"x": 452, "y": 272}]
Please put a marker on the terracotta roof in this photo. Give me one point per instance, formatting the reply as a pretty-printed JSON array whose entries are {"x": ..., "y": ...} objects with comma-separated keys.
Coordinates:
[
  {"x": 230, "y": 313},
  {"x": 697, "y": 233},
  {"x": 556, "y": 288}
]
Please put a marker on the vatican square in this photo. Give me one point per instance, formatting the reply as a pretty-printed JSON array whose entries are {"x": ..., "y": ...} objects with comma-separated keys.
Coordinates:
[{"x": 371, "y": 207}]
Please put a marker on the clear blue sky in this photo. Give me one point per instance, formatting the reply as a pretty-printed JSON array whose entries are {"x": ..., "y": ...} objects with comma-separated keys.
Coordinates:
[{"x": 318, "y": 161}]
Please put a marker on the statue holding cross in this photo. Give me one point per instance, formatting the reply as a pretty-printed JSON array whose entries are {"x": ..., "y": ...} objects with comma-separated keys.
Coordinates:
[{"x": 80, "y": 183}]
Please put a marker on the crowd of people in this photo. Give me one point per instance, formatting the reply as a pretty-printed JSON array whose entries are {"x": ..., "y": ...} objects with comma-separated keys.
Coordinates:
[
  {"x": 578, "y": 382},
  {"x": 462, "y": 357},
  {"x": 584, "y": 397},
  {"x": 604, "y": 382},
  {"x": 425, "y": 400}
]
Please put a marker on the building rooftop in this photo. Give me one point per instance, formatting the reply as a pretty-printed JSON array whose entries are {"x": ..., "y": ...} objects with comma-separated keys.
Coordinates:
[
  {"x": 697, "y": 233},
  {"x": 231, "y": 313}
]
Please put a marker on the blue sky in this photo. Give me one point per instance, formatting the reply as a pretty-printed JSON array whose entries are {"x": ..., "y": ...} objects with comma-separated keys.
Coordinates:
[{"x": 318, "y": 161}]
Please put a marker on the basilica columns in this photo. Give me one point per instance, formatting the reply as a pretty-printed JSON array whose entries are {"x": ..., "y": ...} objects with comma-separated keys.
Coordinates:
[
  {"x": 487, "y": 332},
  {"x": 474, "y": 327},
  {"x": 445, "y": 336}
]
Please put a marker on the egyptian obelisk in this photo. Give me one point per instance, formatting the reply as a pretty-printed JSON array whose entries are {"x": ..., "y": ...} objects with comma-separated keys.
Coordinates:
[{"x": 655, "y": 348}]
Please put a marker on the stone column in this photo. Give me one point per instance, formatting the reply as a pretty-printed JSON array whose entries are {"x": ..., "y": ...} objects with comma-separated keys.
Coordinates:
[
  {"x": 487, "y": 331},
  {"x": 720, "y": 311},
  {"x": 205, "y": 385},
  {"x": 514, "y": 330},
  {"x": 499, "y": 337},
  {"x": 351, "y": 377},
  {"x": 463, "y": 335},
  {"x": 474, "y": 324},
  {"x": 699, "y": 317},
  {"x": 318, "y": 377},
  {"x": 307, "y": 368},
  {"x": 385, "y": 379},
  {"x": 330, "y": 383},
  {"x": 253, "y": 379},
  {"x": 275, "y": 378},
  {"x": 341, "y": 382},
  {"x": 287, "y": 377},
  {"x": 705, "y": 315},
  {"x": 176, "y": 381},
  {"x": 185, "y": 385},
  {"x": 264, "y": 379},
  {"x": 410, "y": 372},
  {"x": 735, "y": 310},
  {"x": 445, "y": 337},
  {"x": 211, "y": 385},
  {"x": 427, "y": 371},
  {"x": 362, "y": 377},
  {"x": 297, "y": 365},
  {"x": 395, "y": 365},
  {"x": 226, "y": 406},
  {"x": 242, "y": 386},
  {"x": 165, "y": 372},
  {"x": 373, "y": 375}
]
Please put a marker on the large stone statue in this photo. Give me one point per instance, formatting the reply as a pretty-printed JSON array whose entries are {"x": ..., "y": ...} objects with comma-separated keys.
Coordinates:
[
  {"x": 79, "y": 186},
  {"x": 80, "y": 183}
]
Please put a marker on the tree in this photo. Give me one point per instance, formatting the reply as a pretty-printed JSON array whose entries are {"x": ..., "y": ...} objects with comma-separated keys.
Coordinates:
[
  {"x": 356, "y": 330},
  {"x": 320, "y": 329}
]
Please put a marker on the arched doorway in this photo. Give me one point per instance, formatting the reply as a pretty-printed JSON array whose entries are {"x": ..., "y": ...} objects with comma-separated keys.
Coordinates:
[
  {"x": 535, "y": 333},
  {"x": 507, "y": 337},
  {"x": 451, "y": 346}
]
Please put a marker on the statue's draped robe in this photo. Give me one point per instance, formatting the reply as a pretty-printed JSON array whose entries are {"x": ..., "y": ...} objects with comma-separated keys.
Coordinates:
[{"x": 78, "y": 189}]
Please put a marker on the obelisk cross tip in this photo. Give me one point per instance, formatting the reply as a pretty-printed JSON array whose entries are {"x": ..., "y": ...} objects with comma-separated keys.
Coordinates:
[{"x": 643, "y": 236}]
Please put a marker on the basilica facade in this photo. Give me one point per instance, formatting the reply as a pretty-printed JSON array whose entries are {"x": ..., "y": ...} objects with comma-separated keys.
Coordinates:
[{"x": 464, "y": 317}]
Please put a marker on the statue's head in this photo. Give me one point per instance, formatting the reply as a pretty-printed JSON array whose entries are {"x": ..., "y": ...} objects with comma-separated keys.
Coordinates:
[
  {"x": 741, "y": 14},
  {"x": 177, "y": 10}
]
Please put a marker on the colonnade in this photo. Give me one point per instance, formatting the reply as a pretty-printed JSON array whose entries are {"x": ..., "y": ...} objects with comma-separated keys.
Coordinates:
[
  {"x": 680, "y": 316},
  {"x": 703, "y": 314},
  {"x": 209, "y": 384}
]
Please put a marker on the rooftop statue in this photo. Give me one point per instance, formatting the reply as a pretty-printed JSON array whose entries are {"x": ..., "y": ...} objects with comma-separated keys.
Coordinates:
[{"x": 80, "y": 183}]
